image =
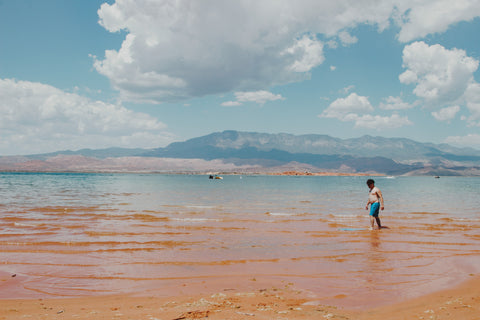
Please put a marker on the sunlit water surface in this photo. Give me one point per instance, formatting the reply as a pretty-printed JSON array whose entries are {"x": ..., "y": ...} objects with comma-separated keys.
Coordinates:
[{"x": 83, "y": 234}]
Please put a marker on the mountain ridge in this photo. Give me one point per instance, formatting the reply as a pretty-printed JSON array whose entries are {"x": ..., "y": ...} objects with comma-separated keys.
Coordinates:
[
  {"x": 323, "y": 144},
  {"x": 252, "y": 151}
]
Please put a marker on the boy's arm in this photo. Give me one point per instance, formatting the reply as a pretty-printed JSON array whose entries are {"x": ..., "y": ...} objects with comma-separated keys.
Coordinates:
[{"x": 380, "y": 196}]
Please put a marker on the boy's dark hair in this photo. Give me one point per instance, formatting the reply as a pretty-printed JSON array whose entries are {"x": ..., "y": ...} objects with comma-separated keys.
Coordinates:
[{"x": 370, "y": 181}]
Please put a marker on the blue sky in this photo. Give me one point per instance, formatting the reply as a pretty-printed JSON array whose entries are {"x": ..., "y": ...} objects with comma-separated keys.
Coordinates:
[{"x": 95, "y": 74}]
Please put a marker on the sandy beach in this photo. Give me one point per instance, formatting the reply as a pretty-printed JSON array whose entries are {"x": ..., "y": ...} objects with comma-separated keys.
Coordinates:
[{"x": 461, "y": 302}]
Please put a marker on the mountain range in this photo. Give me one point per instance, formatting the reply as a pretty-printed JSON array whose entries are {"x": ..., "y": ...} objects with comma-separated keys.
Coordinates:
[{"x": 250, "y": 152}]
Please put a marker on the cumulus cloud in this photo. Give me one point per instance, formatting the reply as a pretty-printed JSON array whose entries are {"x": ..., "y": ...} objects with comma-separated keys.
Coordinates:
[
  {"x": 353, "y": 104},
  {"x": 470, "y": 140},
  {"x": 418, "y": 19},
  {"x": 377, "y": 122},
  {"x": 308, "y": 52},
  {"x": 443, "y": 79},
  {"x": 35, "y": 117},
  {"x": 260, "y": 97},
  {"x": 346, "y": 38},
  {"x": 395, "y": 103},
  {"x": 231, "y": 104},
  {"x": 357, "y": 109},
  {"x": 472, "y": 97},
  {"x": 180, "y": 49},
  {"x": 440, "y": 76},
  {"x": 446, "y": 114},
  {"x": 177, "y": 49}
]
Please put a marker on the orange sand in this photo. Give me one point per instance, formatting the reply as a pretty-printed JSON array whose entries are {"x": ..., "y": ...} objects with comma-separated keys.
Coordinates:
[{"x": 462, "y": 302}]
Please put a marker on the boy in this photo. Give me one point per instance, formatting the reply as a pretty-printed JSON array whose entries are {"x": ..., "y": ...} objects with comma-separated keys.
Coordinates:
[{"x": 375, "y": 200}]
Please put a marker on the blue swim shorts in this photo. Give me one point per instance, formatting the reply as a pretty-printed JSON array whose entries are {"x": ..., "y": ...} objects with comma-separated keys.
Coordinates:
[{"x": 374, "y": 209}]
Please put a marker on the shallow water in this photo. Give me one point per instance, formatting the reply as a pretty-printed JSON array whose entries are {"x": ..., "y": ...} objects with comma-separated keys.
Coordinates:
[{"x": 83, "y": 234}]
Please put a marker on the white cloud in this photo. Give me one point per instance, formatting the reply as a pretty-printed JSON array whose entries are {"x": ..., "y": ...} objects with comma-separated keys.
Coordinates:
[
  {"x": 35, "y": 117},
  {"x": 231, "y": 104},
  {"x": 357, "y": 109},
  {"x": 472, "y": 97},
  {"x": 346, "y": 38},
  {"x": 381, "y": 122},
  {"x": 308, "y": 52},
  {"x": 260, "y": 97},
  {"x": 177, "y": 49},
  {"x": 353, "y": 104},
  {"x": 418, "y": 19},
  {"x": 443, "y": 79},
  {"x": 332, "y": 44},
  {"x": 446, "y": 114},
  {"x": 181, "y": 49},
  {"x": 395, "y": 103},
  {"x": 441, "y": 76},
  {"x": 470, "y": 140}
]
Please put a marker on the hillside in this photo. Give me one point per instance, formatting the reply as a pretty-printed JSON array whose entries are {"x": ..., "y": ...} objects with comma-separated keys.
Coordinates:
[
  {"x": 235, "y": 151},
  {"x": 398, "y": 149}
]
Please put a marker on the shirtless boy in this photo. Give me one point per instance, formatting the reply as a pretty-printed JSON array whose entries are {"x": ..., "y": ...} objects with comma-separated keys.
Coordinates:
[{"x": 375, "y": 200}]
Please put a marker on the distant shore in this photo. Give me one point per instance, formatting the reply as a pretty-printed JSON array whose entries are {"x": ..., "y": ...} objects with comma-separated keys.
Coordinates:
[
  {"x": 298, "y": 173},
  {"x": 225, "y": 173}
]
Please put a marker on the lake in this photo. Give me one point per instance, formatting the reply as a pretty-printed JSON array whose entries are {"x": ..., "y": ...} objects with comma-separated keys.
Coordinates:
[{"x": 66, "y": 235}]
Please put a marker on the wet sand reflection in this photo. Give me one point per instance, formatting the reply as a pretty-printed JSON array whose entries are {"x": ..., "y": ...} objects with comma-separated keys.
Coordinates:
[{"x": 75, "y": 251}]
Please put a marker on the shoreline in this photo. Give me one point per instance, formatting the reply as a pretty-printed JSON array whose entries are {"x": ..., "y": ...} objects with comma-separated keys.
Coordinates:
[
  {"x": 327, "y": 174},
  {"x": 264, "y": 302},
  {"x": 207, "y": 173}
]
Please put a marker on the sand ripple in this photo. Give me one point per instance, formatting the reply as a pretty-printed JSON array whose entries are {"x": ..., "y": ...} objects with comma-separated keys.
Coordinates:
[{"x": 71, "y": 251}]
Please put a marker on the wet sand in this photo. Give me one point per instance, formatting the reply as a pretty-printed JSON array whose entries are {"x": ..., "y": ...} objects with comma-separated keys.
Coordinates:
[
  {"x": 123, "y": 261},
  {"x": 462, "y": 302}
]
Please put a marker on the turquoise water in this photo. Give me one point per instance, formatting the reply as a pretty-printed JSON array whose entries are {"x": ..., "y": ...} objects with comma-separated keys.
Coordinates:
[
  {"x": 457, "y": 196},
  {"x": 82, "y": 234}
]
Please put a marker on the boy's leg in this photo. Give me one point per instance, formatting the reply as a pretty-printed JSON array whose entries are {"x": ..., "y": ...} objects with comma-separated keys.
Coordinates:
[
  {"x": 372, "y": 222},
  {"x": 379, "y": 223}
]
